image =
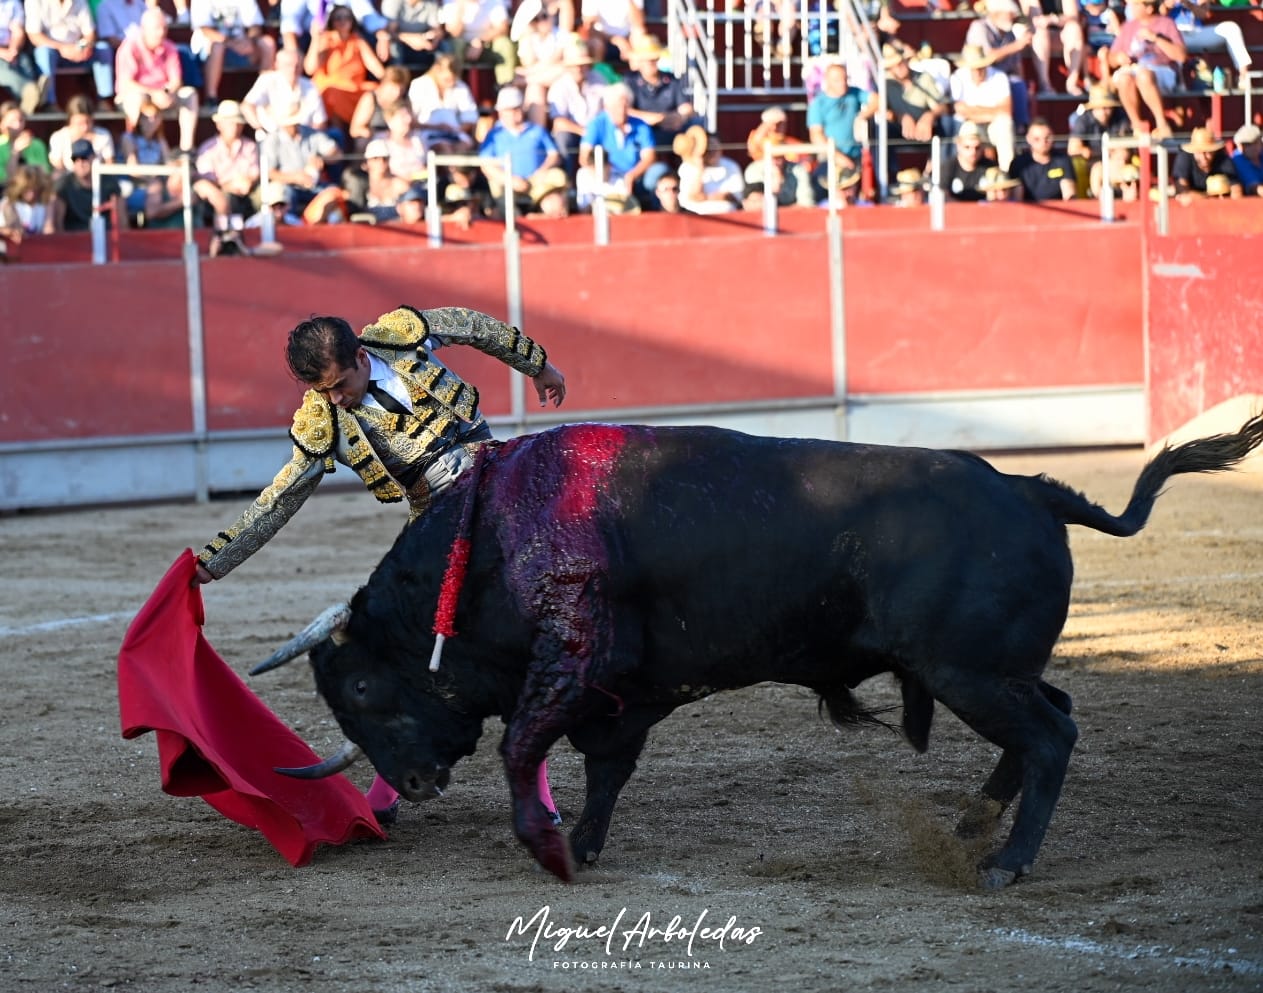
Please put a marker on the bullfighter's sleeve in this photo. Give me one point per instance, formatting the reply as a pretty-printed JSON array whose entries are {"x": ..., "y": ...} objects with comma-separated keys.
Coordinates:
[
  {"x": 458, "y": 326},
  {"x": 270, "y": 512}
]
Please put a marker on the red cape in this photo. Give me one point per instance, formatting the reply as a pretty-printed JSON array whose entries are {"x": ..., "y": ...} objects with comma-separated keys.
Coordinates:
[{"x": 216, "y": 739}]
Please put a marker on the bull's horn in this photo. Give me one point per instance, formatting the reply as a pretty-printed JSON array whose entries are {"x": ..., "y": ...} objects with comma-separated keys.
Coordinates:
[
  {"x": 329, "y": 624},
  {"x": 346, "y": 755}
]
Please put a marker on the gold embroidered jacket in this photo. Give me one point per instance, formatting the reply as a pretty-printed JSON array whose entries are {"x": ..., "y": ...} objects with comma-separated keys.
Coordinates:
[{"x": 388, "y": 451}]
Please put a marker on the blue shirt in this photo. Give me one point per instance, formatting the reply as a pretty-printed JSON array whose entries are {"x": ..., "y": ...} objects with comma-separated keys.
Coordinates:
[
  {"x": 1249, "y": 174},
  {"x": 526, "y": 150},
  {"x": 622, "y": 148},
  {"x": 837, "y": 115}
]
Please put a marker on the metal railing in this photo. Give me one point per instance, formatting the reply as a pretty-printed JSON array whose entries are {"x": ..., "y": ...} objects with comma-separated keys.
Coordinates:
[{"x": 96, "y": 225}]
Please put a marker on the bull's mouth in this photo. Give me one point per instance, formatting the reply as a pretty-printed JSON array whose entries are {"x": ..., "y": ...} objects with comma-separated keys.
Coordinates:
[{"x": 419, "y": 786}]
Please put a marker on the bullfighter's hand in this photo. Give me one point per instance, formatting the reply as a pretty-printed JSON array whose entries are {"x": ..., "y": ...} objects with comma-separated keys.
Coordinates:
[
  {"x": 550, "y": 384},
  {"x": 202, "y": 576}
]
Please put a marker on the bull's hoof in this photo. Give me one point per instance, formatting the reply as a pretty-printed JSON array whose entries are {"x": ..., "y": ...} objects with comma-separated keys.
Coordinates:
[
  {"x": 388, "y": 816},
  {"x": 553, "y": 852},
  {"x": 995, "y": 878}
]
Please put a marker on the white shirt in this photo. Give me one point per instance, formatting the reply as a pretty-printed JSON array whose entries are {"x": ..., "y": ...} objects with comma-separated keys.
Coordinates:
[
  {"x": 453, "y": 111},
  {"x": 387, "y": 379},
  {"x": 272, "y": 94},
  {"x": 580, "y": 104},
  {"x": 611, "y": 17},
  {"x": 722, "y": 177},
  {"x": 118, "y": 18},
  {"x": 11, "y": 12},
  {"x": 476, "y": 16},
  {"x": 991, "y": 92}
]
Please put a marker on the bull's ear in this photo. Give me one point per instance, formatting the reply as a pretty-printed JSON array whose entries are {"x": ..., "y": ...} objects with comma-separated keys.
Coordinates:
[{"x": 332, "y": 619}]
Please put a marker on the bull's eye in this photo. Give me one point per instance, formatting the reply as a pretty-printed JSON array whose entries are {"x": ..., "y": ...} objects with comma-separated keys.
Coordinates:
[{"x": 361, "y": 687}]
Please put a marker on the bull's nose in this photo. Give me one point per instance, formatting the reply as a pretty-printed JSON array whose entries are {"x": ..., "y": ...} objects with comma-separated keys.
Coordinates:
[{"x": 420, "y": 786}]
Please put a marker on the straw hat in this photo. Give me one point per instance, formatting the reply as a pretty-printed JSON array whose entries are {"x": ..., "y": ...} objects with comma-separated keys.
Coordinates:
[
  {"x": 1101, "y": 97},
  {"x": 690, "y": 144},
  {"x": 646, "y": 48},
  {"x": 1218, "y": 185},
  {"x": 908, "y": 181},
  {"x": 994, "y": 179},
  {"x": 974, "y": 57},
  {"x": 848, "y": 178},
  {"x": 229, "y": 110},
  {"x": 1202, "y": 140},
  {"x": 553, "y": 180},
  {"x": 576, "y": 53}
]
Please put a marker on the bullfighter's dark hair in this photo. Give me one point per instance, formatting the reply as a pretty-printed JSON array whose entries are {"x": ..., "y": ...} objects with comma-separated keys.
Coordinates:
[{"x": 317, "y": 342}]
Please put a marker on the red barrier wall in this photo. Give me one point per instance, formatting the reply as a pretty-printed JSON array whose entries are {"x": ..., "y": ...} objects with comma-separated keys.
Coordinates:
[{"x": 673, "y": 312}]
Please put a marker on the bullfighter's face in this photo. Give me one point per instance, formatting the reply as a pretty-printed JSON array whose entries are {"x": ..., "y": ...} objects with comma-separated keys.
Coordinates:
[
  {"x": 345, "y": 387},
  {"x": 397, "y": 715}
]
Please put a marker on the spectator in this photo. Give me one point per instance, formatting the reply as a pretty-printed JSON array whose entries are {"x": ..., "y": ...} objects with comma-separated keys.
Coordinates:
[
  {"x": 339, "y": 63},
  {"x": 1191, "y": 17},
  {"x": 533, "y": 156},
  {"x": 832, "y": 116},
  {"x": 541, "y": 51},
  {"x": 1102, "y": 21},
  {"x": 573, "y": 101},
  {"x": 158, "y": 199},
  {"x": 18, "y": 146},
  {"x": 963, "y": 172},
  {"x": 790, "y": 175},
  {"x": 148, "y": 69},
  {"x": 444, "y": 108},
  {"x": 1100, "y": 114},
  {"x": 65, "y": 31},
  {"x": 658, "y": 98},
  {"x": 627, "y": 146},
  {"x": 370, "y": 113},
  {"x": 995, "y": 185},
  {"x": 710, "y": 182},
  {"x": 610, "y": 26},
  {"x": 278, "y": 91},
  {"x": 18, "y": 72},
  {"x": 1219, "y": 186},
  {"x": 478, "y": 32},
  {"x": 550, "y": 195},
  {"x": 466, "y": 197},
  {"x": 1146, "y": 57},
  {"x": 117, "y": 20},
  {"x": 915, "y": 102},
  {"x": 1045, "y": 174},
  {"x": 411, "y": 206},
  {"x": 667, "y": 194},
  {"x": 381, "y": 190},
  {"x": 981, "y": 96},
  {"x": 405, "y": 144},
  {"x": 228, "y": 34},
  {"x": 227, "y": 167},
  {"x": 26, "y": 208},
  {"x": 1060, "y": 18},
  {"x": 995, "y": 35},
  {"x": 1199, "y": 158},
  {"x": 298, "y": 16},
  {"x": 74, "y": 192},
  {"x": 299, "y": 157},
  {"x": 274, "y": 202},
  {"x": 909, "y": 188},
  {"x": 1248, "y": 158},
  {"x": 412, "y": 34},
  {"x": 80, "y": 123}
]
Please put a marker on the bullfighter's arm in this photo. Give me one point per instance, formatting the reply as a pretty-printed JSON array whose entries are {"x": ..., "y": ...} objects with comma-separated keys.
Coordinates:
[
  {"x": 270, "y": 512},
  {"x": 461, "y": 326}
]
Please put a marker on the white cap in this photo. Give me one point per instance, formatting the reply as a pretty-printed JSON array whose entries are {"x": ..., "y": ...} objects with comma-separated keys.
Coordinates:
[
  {"x": 509, "y": 98},
  {"x": 377, "y": 149}
]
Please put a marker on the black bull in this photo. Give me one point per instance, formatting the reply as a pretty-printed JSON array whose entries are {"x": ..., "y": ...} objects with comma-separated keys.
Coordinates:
[{"x": 618, "y": 572}]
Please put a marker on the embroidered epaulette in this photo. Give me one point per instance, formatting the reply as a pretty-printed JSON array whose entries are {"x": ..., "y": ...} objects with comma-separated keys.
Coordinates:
[
  {"x": 313, "y": 429},
  {"x": 401, "y": 328}
]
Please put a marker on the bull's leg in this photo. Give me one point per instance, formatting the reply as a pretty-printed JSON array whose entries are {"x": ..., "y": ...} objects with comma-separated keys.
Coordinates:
[
  {"x": 984, "y": 812},
  {"x": 610, "y": 751},
  {"x": 1037, "y": 737}
]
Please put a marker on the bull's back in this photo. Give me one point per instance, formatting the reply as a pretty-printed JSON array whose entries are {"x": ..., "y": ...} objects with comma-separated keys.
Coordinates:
[{"x": 754, "y": 557}]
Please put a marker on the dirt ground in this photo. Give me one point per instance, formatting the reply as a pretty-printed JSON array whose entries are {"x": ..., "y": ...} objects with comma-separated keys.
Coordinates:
[{"x": 831, "y": 850}]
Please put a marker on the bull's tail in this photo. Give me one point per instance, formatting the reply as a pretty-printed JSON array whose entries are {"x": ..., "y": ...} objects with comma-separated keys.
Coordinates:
[{"x": 1216, "y": 453}]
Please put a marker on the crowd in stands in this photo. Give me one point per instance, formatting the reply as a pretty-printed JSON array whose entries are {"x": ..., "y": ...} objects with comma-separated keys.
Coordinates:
[{"x": 349, "y": 99}]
